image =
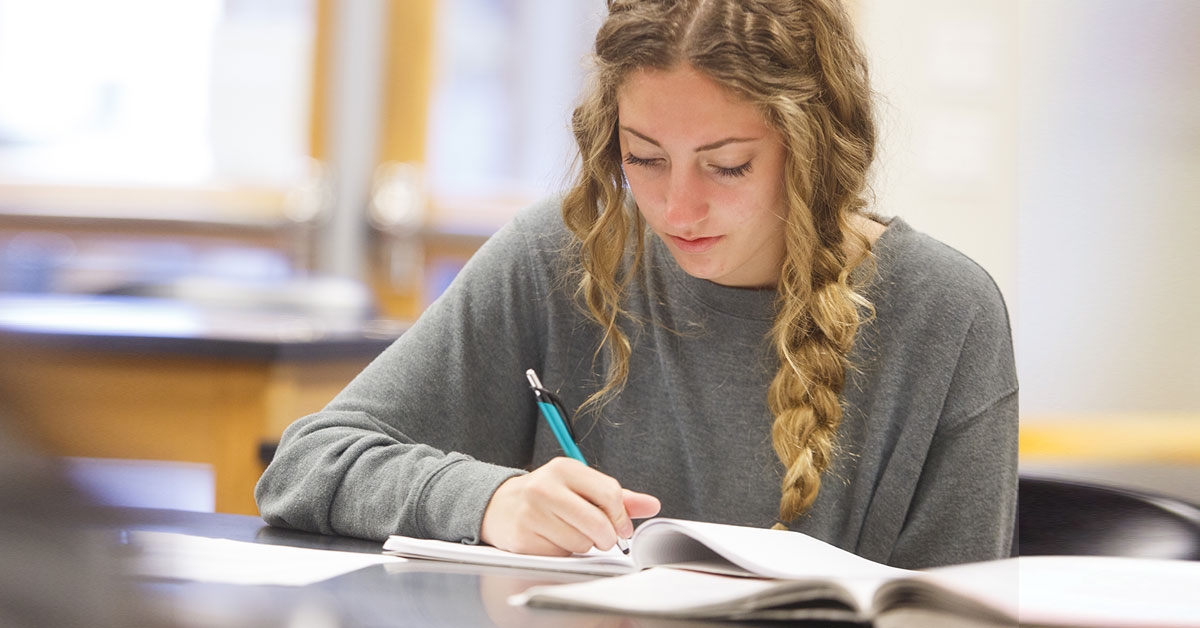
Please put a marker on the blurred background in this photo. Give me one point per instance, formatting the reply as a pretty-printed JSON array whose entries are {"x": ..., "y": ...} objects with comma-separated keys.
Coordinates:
[{"x": 213, "y": 213}]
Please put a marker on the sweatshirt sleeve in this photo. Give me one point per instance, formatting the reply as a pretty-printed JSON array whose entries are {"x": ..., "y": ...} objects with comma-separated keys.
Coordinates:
[
  {"x": 418, "y": 442},
  {"x": 964, "y": 506}
]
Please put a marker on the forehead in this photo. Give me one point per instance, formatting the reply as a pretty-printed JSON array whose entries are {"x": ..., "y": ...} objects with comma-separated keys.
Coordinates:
[{"x": 682, "y": 100}]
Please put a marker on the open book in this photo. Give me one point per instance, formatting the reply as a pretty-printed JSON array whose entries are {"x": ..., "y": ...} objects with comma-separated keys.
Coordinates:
[{"x": 690, "y": 569}]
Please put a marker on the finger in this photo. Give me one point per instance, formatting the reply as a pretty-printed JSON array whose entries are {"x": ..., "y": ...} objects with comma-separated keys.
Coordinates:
[
  {"x": 565, "y": 535},
  {"x": 599, "y": 491},
  {"x": 521, "y": 517},
  {"x": 588, "y": 519},
  {"x": 640, "y": 505},
  {"x": 604, "y": 493},
  {"x": 543, "y": 532},
  {"x": 561, "y": 515}
]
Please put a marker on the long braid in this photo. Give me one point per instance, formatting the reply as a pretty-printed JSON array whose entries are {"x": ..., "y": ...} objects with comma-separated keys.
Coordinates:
[
  {"x": 812, "y": 339},
  {"x": 819, "y": 308}
]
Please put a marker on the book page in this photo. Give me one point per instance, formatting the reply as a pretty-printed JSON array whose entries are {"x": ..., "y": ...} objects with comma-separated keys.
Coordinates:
[
  {"x": 762, "y": 552},
  {"x": 671, "y": 592},
  {"x": 1093, "y": 591},
  {"x": 993, "y": 583},
  {"x": 1109, "y": 592},
  {"x": 609, "y": 562},
  {"x": 986, "y": 591}
]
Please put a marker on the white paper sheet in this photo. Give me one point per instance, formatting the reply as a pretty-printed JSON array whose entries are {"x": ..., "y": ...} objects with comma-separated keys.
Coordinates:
[
  {"x": 186, "y": 557},
  {"x": 1109, "y": 592}
]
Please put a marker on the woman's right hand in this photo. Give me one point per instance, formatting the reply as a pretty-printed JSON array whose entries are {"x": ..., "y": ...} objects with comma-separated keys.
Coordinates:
[{"x": 562, "y": 507}]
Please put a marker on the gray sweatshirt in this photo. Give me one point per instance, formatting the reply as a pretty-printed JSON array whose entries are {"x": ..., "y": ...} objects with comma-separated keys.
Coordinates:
[{"x": 925, "y": 467}]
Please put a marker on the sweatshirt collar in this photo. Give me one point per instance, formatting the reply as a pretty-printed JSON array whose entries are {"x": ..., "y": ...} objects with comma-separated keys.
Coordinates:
[{"x": 759, "y": 303}]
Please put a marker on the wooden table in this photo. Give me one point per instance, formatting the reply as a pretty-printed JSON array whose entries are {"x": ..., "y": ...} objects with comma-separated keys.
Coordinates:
[{"x": 153, "y": 380}]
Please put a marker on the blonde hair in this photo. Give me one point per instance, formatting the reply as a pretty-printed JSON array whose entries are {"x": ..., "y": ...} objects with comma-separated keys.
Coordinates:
[{"x": 798, "y": 62}]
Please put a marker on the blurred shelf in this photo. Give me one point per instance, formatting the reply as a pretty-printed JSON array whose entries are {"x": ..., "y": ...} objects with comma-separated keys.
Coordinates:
[
  {"x": 155, "y": 379},
  {"x": 167, "y": 326},
  {"x": 231, "y": 207},
  {"x": 1158, "y": 438}
]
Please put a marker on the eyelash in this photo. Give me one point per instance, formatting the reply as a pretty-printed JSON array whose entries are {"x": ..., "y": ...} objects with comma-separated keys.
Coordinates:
[
  {"x": 633, "y": 160},
  {"x": 736, "y": 171}
]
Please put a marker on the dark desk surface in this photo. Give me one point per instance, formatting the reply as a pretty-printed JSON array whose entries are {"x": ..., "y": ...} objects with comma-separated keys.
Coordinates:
[
  {"x": 168, "y": 326},
  {"x": 412, "y": 593}
]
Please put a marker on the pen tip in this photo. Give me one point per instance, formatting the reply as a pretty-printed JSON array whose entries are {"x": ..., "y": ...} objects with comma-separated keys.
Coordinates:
[{"x": 623, "y": 545}]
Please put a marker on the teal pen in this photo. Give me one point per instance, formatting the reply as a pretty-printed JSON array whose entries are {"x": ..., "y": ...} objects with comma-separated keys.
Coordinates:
[{"x": 558, "y": 424}]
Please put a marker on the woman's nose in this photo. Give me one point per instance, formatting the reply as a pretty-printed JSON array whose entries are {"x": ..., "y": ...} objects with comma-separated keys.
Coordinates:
[{"x": 685, "y": 206}]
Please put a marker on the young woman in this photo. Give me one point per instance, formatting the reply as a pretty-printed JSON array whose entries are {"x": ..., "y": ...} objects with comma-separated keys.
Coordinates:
[{"x": 739, "y": 339}]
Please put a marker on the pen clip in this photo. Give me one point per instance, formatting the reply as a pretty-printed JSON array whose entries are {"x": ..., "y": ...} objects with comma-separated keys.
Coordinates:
[{"x": 552, "y": 399}]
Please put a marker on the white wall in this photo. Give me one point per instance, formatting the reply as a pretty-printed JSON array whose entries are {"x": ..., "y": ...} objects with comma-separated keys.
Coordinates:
[
  {"x": 1057, "y": 142},
  {"x": 1109, "y": 230},
  {"x": 506, "y": 81},
  {"x": 945, "y": 72}
]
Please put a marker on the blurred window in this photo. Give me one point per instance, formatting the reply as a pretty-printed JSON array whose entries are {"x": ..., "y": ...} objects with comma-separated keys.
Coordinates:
[
  {"x": 143, "y": 141},
  {"x": 151, "y": 93},
  {"x": 507, "y": 75}
]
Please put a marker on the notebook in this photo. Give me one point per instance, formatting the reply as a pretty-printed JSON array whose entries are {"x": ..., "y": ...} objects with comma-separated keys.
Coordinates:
[
  {"x": 691, "y": 569},
  {"x": 727, "y": 548}
]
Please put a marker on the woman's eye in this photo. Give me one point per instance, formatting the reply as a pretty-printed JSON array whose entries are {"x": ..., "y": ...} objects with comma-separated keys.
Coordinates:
[
  {"x": 634, "y": 160},
  {"x": 736, "y": 171}
]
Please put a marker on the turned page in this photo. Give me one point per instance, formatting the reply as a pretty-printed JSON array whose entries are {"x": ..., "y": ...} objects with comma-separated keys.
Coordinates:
[{"x": 757, "y": 551}]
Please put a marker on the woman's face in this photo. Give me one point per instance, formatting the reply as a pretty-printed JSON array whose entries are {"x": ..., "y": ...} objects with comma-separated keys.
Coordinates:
[{"x": 707, "y": 174}]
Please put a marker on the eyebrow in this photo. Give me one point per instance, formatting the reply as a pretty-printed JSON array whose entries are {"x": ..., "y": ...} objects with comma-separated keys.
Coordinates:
[{"x": 710, "y": 146}]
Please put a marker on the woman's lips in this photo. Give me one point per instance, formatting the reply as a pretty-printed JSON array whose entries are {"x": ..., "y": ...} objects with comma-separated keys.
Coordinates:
[{"x": 695, "y": 245}]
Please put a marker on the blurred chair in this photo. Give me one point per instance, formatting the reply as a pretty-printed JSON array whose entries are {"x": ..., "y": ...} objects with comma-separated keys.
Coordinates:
[{"x": 1068, "y": 517}]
